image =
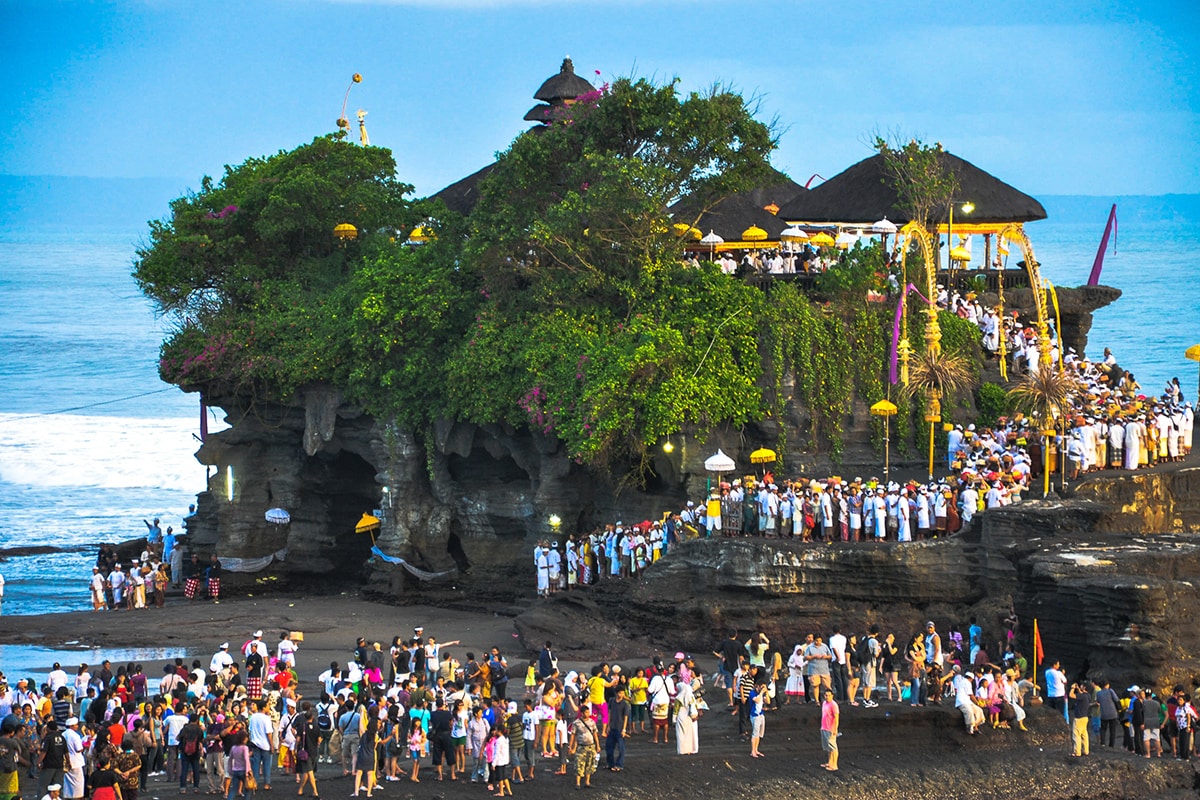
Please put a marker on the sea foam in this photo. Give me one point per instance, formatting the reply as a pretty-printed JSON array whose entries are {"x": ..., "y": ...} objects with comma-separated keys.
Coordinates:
[{"x": 100, "y": 452}]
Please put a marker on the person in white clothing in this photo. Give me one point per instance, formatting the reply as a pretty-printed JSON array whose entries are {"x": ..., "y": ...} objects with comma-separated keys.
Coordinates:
[
  {"x": 221, "y": 660},
  {"x": 73, "y": 784}
]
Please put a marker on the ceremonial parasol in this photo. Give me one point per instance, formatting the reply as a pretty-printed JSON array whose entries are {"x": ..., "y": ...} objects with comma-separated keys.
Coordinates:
[
  {"x": 822, "y": 239},
  {"x": 712, "y": 240},
  {"x": 1193, "y": 354},
  {"x": 277, "y": 516},
  {"x": 719, "y": 462},
  {"x": 884, "y": 226},
  {"x": 368, "y": 524},
  {"x": 885, "y": 409},
  {"x": 763, "y": 455}
]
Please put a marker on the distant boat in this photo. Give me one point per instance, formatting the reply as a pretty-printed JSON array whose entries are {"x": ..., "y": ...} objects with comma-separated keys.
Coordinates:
[{"x": 1098, "y": 264}]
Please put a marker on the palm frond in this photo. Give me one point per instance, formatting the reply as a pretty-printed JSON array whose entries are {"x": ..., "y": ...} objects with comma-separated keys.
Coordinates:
[
  {"x": 948, "y": 376},
  {"x": 1044, "y": 394}
]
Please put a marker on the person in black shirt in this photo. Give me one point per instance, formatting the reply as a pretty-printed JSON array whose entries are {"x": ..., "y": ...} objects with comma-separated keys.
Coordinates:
[
  {"x": 54, "y": 754},
  {"x": 618, "y": 730},
  {"x": 213, "y": 573},
  {"x": 730, "y": 652},
  {"x": 441, "y": 746}
]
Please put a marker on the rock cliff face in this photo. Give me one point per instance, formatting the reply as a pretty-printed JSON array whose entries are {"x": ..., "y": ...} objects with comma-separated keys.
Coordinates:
[{"x": 1115, "y": 603}]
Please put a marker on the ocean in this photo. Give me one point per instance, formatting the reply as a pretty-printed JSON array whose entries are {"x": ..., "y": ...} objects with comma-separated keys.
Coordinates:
[{"x": 77, "y": 337}]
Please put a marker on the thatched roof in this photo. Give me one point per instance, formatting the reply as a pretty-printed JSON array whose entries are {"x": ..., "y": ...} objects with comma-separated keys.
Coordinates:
[
  {"x": 566, "y": 85},
  {"x": 738, "y": 212},
  {"x": 866, "y": 192},
  {"x": 462, "y": 195},
  {"x": 538, "y": 113}
]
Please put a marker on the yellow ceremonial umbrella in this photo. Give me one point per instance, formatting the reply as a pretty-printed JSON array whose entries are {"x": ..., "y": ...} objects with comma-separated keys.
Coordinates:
[
  {"x": 763, "y": 455},
  {"x": 368, "y": 524},
  {"x": 885, "y": 409},
  {"x": 754, "y": 234},
  {"x": 421, "y": 235},
  {"x": 1193, "y": 354},
  {"x": 682, "y": 229},
  {"x": 960, "y": 253},
  {"x": 345, "y": 231},
  {"x": 822, "y": 239}
]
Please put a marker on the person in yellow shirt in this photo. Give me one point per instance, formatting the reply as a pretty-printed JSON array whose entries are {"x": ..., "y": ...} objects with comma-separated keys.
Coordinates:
[
  {"x": 638, "y": 701},
  {"x": 713, "y": 514},
  {"x": 596, "y": 685}
]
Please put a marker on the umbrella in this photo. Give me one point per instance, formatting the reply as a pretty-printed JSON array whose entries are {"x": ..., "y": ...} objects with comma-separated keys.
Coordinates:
[
  {"x": 719, "y": 462},
  {"x": 754, "y": 234},
  {"x": 712, "y": 240},
  {"x": 368, "y": 524},
  {"x": 884, "y": 226},
  {"x": 277, "y": 516},
  {"x": 845, "y": 240},
  {"x": 885, "y": 409},
  {"x": 793, "y": 233},
  {"x": 421, "y": 235},
  {"x": 763, "y": 455},
  {"x": 822, "y": 239}
]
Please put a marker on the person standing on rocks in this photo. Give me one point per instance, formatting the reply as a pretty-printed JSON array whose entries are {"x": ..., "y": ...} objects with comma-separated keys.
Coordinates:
[
  {"x": 1081, "y": 709},
  {"x": 1056, "y": 688},
  {"x": 830, "y": 722}
]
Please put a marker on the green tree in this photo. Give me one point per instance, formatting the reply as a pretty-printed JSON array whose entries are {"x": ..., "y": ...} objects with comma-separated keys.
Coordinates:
[
  {"x": 577, "y": 211},
  {"x": 924, "y": 183},
  {"x": 270, "y": 219}
]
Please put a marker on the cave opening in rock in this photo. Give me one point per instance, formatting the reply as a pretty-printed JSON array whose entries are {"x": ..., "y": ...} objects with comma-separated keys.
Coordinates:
[{"x": 348, "y": 488}]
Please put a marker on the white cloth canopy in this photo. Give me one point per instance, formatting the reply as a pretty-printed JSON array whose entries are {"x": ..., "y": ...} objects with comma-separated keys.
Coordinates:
[
  {"x": 712, "y": 238},
  {"x": 885, "y": 226},
  {"x": 277, "y": 516},
  {"x": 251, "y": 564},
  {"x": 719, "y": 462}
]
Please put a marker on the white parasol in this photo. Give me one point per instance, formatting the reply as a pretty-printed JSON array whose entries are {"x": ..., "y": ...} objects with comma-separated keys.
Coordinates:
[
  {"x": 277, "y": 516},
  {"x": 719, "y": 462}
]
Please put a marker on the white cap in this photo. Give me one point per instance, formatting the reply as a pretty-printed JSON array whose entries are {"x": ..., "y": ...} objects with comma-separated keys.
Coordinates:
[{"x": 258, "y": 634}]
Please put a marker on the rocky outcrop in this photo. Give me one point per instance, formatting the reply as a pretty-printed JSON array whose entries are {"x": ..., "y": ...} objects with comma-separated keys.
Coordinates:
[
  {"x": 1167, "y": 500},
  {"x": 1075, "y": 308},
  {"x": 1110, "y": 601}
]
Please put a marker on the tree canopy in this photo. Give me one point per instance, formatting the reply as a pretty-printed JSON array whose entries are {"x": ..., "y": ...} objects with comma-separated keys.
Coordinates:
[{"x": 562, "y": 304}]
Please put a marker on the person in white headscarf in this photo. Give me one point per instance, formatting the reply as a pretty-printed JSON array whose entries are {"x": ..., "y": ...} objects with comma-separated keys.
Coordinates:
[
  {"x": 795, "y": 681},
  {"x": 687, "y": 734}
]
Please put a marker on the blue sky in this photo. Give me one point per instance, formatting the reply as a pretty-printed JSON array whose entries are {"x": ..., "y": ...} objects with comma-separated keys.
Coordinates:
[{"x": 1053, "y": 97}]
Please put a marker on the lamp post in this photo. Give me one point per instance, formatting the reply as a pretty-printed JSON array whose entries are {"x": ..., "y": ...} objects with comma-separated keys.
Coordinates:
[{"x": 967, "y": 208}]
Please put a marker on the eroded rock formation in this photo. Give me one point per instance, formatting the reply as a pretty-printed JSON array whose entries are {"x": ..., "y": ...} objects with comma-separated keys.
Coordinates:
[{"x": 1110, "y": 601}]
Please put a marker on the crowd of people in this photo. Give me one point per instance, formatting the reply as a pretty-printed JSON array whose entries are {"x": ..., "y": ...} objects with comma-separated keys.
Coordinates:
[
  {"x": 233, "y": 726},
  {"x": 1110, "y": 423},
  {"x": 166, "y": 562}
]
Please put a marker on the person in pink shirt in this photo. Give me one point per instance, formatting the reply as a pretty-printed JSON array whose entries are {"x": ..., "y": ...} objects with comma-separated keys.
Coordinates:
[{"x": 830, "y": 717}]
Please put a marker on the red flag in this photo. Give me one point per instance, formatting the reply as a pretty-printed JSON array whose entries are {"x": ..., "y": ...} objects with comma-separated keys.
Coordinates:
[{"x": 1039, "y": 652}]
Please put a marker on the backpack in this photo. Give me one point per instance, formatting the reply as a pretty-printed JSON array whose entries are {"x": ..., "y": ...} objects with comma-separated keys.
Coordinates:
[
  {"x": 863, "y": 653},
  {"x": 191, "y": 747},
  {"x": 324, "y": 721}
]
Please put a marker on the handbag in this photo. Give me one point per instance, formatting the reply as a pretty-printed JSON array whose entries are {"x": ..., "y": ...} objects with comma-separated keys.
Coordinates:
[{"x": 251, "y": 783}]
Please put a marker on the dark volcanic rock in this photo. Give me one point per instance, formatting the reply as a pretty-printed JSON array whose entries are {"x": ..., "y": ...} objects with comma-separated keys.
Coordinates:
[{"x": 1109, "y": 603}]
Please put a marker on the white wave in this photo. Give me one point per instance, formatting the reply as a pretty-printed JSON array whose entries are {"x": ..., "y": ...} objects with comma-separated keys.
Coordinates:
[{"x": 100, "y": 452}]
